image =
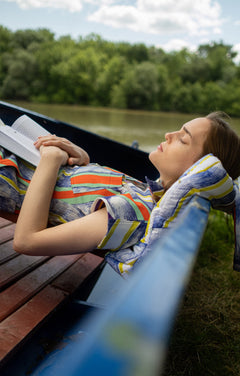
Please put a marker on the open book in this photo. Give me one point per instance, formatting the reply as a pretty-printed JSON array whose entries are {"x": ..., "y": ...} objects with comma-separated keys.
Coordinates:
[{"x": 19, "y": 138}]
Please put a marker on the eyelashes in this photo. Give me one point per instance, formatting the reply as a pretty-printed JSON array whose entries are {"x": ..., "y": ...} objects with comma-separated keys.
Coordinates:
[{"x": 182, "y": 141}]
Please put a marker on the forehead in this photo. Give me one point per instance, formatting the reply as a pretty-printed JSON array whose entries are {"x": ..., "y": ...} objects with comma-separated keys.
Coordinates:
[{"x": 198, "y": 127}]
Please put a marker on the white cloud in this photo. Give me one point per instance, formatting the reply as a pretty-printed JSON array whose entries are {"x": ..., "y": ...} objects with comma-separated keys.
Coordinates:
[
  {"x": 69, "y": 5},
  {"x": 116, "y": 16},
  {"x": 72, "y": 5},
  {"x": 160, "y": 17},
  {"x": 163, "y": 17},
  {"x": 177, "y": 45}
]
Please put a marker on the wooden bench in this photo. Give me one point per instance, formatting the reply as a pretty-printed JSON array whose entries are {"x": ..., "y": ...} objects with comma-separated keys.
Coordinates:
[
  {"x": 33, "y": 287},
  {"x": 139, "y": 316},
  {"x": 131, "y": 337}
]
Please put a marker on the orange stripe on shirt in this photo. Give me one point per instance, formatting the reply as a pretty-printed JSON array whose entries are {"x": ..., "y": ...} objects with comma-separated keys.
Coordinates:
[
  {"x": 70, "y": 194},
  {"x": 96, "y": 179},
  {"x": 10, "y": 163},
  {"x": 140, "y": 205}
]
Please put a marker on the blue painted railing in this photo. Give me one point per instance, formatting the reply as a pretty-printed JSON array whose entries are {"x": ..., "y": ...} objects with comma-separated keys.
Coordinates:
[{"x": 131, "y": 336}]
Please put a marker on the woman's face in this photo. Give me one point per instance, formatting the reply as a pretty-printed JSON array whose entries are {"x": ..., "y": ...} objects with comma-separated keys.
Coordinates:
[{"x": 180, "y": 150}]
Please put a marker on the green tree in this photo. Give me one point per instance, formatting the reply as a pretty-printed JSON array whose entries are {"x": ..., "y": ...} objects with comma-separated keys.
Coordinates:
[
  {"x": 5, "y": 41},
  {"x": 188, "y": 98},
  {"x": 176, "y": 62},
  {"x": 76, "y": 77},
  {"x": 230, "y": 99},
  {"x": 139, "y": 87},
  {"x": 24, "y": 38},
  {"x": 6, "y": 37},
  {"x": 20, "y": 77},
  {"x": 109, "y": 78},
  {"x": 195, "y": 69},
  {"x": 213, "y": 95},
  {"x": 34, "y": 65},
  {"x": 218, "y": 58},
  {"x": 49, "y": 55},
  {"x": 137, "y": 53},
  {"x": 163, "y": 84}
]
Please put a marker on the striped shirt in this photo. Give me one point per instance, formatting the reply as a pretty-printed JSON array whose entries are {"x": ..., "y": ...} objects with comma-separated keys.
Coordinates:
[
  {"x": 80, "y": 190},
  {"x": 138, "y": 213}
]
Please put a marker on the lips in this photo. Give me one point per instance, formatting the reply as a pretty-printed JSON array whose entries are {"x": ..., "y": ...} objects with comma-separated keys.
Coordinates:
[{"x": 160, "y": 147}]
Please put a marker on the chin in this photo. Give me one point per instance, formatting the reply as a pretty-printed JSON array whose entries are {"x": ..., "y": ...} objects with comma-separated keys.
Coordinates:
[
  {"x": 153, "y": 160},
  {"x": 151, "y": 155},
  {"x": 154, "y": 157}
]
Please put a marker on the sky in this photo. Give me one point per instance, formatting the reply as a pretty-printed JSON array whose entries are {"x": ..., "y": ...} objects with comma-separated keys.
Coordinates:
[{"x": 169, "y": 24}]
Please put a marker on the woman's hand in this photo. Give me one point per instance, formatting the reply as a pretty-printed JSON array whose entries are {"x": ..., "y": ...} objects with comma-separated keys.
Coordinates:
[
  {"x": 76, "y": 155},
  {"x": 53, "y": 152}
]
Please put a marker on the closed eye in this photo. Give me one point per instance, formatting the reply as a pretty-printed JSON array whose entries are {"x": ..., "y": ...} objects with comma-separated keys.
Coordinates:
[{"x": 182, "y": 141}]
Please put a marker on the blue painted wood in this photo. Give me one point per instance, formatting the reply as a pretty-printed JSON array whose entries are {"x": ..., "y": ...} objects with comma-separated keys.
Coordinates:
[{"x": 131, "y": 337}]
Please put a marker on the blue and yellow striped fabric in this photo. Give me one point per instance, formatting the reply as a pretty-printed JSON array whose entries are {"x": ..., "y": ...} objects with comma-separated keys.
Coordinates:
[{"x": 206, "y": 178}]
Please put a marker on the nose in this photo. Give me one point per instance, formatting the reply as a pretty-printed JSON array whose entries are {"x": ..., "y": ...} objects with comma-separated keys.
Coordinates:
[{"x": 169, "y": 136}]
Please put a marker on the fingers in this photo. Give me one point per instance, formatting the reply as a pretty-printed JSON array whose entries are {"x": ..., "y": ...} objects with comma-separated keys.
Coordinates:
[
  {"x": 52, "y": 140},
  {"x": 76, "y": 161},
  {"x": 76, "y": 154},
  {"x": 72, "y": 161}
]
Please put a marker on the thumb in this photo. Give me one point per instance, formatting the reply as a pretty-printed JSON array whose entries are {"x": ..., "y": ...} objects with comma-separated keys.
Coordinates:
[{"x": 73, "y": 161}]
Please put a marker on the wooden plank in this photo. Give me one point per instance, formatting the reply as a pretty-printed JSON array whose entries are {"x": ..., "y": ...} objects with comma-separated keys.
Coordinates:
[
  {"x": 7, "y": 252},
  {"x": 6, "y": 242},
  {"x": 17, "y": 294},
  {"x": 142, "y": 313},
  {"x": 17, "y": 326},
  {"x": 76, "y": 274},
  {"x": 18, "y": 267},
  {"x": 7, "y": 232},
  {"x": 4, "y": 222}
]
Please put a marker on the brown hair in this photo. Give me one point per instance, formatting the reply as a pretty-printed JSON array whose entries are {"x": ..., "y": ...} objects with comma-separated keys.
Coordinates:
[{"x": 223, "y": 142}]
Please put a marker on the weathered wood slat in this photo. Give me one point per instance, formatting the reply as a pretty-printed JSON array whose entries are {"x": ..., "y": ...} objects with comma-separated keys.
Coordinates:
[
  {"x": 77, "y": 273},
  {"x": 33, "y": 286},
  {"x": 18, "y": 267},
  {"x": 17, "y": 326},
  {"x": 24, "y": 289},
  {"x": 4, "y": 222},
  {"x": 7, "y": 252},
  {"x": 7, "y": 232}
]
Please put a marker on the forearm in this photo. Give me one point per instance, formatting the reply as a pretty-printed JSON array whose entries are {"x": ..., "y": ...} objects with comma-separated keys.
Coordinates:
[{"x": 33, "y": 216}]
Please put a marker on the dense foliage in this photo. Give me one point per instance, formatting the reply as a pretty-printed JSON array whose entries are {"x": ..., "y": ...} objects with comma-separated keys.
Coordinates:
[{"x": 35, "y": 66}]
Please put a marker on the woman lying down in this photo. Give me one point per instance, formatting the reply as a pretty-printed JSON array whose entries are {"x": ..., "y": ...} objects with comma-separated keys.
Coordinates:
[{"x": 69, "y": 205}]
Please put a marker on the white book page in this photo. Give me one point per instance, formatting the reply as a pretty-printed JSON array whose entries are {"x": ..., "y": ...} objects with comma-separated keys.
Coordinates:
[
  {"x": 19, "y": 144},
  {"x": 29, "y": 128}
]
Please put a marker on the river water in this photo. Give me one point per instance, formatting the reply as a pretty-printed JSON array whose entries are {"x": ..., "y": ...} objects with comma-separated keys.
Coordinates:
[{"x": 148, "y": 128}]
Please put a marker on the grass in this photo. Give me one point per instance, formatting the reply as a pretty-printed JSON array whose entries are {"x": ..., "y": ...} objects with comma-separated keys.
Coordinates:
[{"x": 206, "y": 337}]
